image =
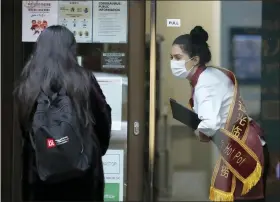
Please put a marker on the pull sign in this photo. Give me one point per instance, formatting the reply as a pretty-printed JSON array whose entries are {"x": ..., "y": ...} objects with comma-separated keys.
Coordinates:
[
  {"x": 173, "y": 22},
  {"x": 136, "y": 128}
]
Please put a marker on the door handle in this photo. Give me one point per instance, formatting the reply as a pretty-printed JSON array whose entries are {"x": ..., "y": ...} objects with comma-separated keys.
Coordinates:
[{"x": 136, "y": 128}]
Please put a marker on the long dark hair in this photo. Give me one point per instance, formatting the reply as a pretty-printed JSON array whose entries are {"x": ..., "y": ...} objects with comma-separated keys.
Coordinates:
[{"x": 52, "y": 66}]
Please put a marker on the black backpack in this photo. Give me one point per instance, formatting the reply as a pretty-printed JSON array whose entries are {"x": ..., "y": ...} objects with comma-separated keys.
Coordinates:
[{"x": 63, "y": 149}]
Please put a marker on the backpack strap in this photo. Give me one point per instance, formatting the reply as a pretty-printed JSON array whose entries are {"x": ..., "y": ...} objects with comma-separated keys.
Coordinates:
[{"x": 32, "y": 141}]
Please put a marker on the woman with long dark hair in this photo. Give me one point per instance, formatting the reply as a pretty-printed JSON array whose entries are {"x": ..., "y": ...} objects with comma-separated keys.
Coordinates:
[{"x": 53, "y": 66}]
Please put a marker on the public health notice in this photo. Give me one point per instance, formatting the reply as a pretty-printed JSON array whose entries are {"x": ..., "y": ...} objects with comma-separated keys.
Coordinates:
[
  {"x": 37, "y": 16},
  {"x": 77, "y": 17},
  {"x": 113, "y": 164},
  {"x": 110, "y": 21}
]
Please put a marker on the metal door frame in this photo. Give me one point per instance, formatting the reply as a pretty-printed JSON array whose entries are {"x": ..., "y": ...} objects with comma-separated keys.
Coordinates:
[
  {"x": 136, "y": 101},
  {"x": 152, "y": 100},
  {"x": 10, "y": 141}
]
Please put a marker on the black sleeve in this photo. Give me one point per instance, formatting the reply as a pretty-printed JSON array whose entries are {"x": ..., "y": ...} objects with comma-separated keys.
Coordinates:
[{"x": 102, "y": 114}]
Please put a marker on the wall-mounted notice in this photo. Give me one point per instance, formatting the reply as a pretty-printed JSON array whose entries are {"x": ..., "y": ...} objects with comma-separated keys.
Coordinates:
[
  {"x": 112, "y": 89},
  {"x": 36, "y": 16},
  {"x": 110, "y": 21},
  {"x": 113, "y": 60},
  {"x": 113, "y": 163},
  {"x": 77, "y": 17}
]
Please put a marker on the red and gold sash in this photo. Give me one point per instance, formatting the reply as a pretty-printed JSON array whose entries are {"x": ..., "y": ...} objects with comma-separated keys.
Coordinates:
[{"x": 236, "y": 159}]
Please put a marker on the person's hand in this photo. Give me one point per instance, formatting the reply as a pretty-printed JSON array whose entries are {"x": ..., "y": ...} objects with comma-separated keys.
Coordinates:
[{"x": 203, "y": 137}]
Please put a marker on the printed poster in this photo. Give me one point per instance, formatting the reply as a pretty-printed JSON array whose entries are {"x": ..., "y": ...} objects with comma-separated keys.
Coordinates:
[
  {"x": 77, "y": 17},
  {"x": 113, "y": 164},
  {"x": 110, "y": 21},
  {"x": 37, "y": 16},
  {"x": 112, "y": 89}
]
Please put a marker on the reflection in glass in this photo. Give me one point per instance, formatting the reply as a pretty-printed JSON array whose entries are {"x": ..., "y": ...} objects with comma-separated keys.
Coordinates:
[{"x": 247, "y": 56}]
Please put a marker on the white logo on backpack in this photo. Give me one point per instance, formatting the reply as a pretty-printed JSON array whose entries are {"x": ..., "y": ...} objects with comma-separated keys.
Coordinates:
[{"x": 62, "y": 140}]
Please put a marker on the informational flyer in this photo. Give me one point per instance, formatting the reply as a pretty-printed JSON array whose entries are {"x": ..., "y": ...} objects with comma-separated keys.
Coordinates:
[
  {"x": 77, "y": 17},
  {"x": 113, "y": 164},
  {"x": 37, "y": 16},
  {"x": 112, "y": 89},
  {"x": 110, "y": 21}
]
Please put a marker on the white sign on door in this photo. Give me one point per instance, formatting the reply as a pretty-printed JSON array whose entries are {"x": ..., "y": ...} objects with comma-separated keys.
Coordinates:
[
  {"x": 173, "y": 22},
  {"x": 77, "y": 17},
  {"x": 110, "y": 21},
  {"x": 112, "y": 89},
  {"x": 113, "y": 164}
]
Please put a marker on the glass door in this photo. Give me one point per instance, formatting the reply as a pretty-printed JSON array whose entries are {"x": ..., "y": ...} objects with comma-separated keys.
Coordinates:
[
  {"x": 242, "y": 38},
  {"x": 119, "y": 67}
]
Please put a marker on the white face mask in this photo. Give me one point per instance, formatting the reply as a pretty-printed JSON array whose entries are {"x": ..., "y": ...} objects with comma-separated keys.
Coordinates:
[{"x": 178, "y": 68}]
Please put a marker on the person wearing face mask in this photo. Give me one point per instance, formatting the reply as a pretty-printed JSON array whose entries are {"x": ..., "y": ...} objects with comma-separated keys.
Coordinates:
[{"x": 241, "y": 170}]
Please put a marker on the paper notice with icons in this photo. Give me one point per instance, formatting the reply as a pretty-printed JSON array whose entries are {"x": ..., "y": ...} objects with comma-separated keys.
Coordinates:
[
  {"x": 113, "y": 164},
  {"x": 77, "y": 17}
]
